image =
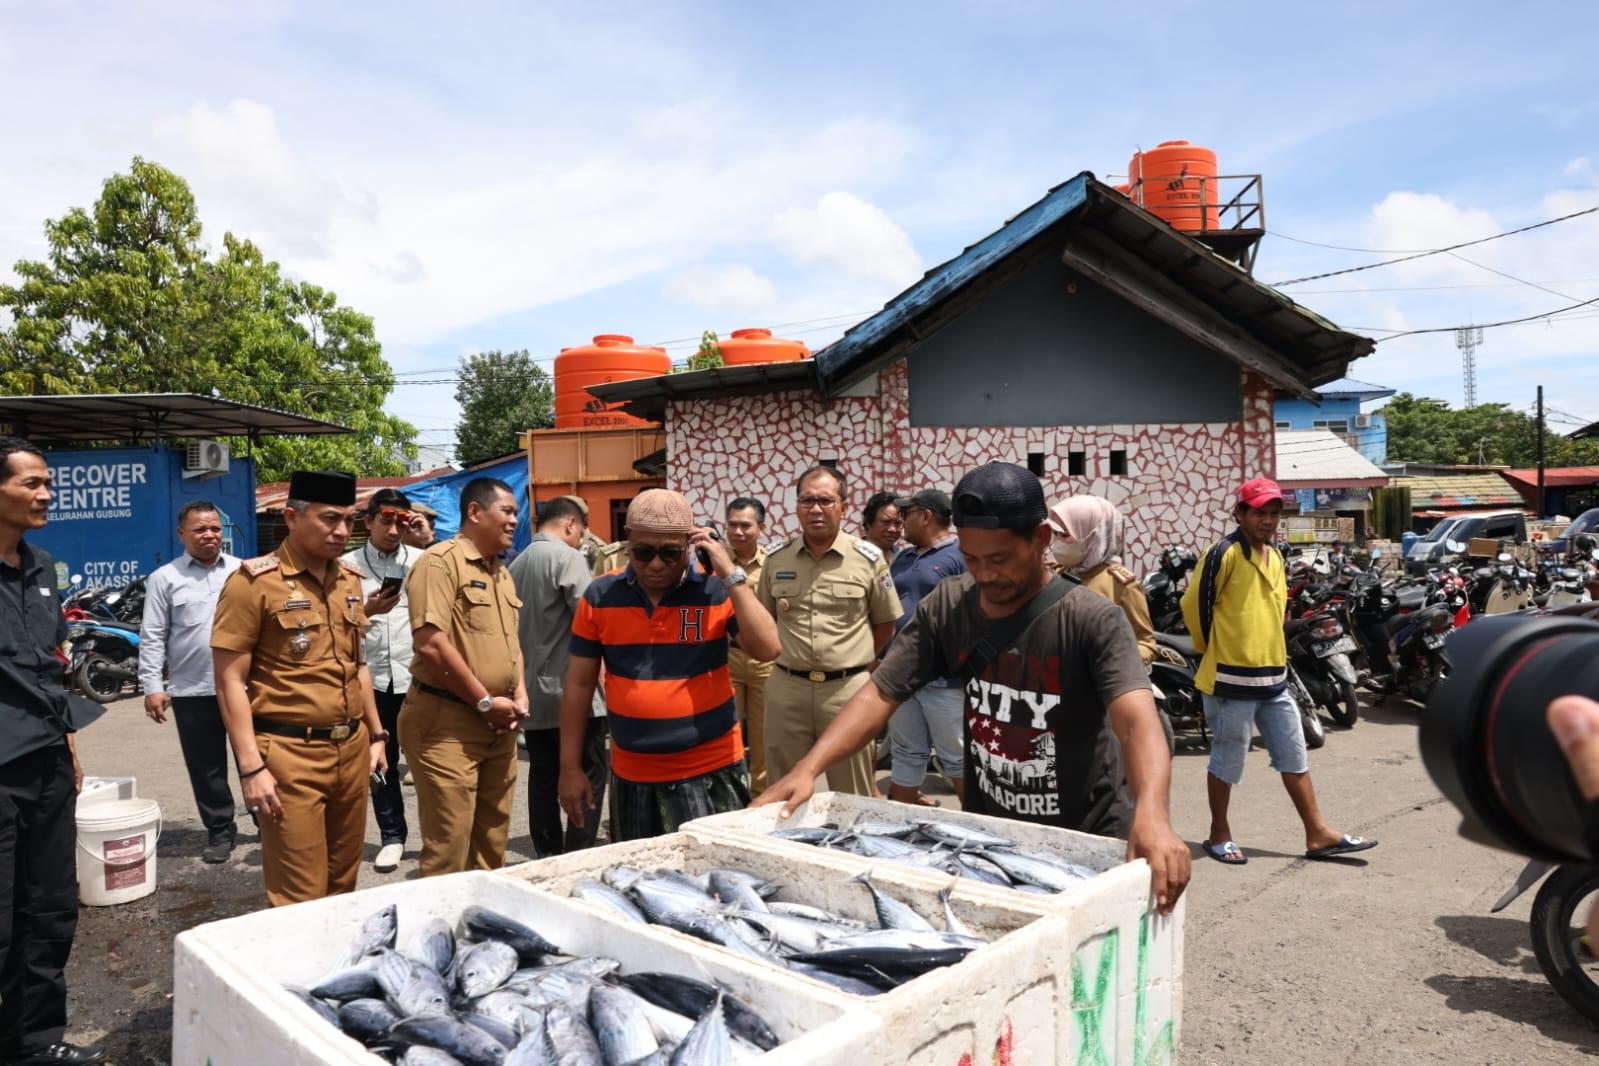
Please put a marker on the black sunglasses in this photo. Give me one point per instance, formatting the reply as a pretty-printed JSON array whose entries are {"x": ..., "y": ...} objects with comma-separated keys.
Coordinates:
[{"x": 645, "y": 554}]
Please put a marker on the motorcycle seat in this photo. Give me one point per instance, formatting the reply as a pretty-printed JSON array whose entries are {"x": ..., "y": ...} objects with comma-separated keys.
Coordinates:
[
  {"x": 1398, "y": 622},
  {"x": 1295, "y": 625},
  {"x": 1178, "y": 643},
  {"x": 106, "y": 623},
  {"x": 1411, "y": 598}
]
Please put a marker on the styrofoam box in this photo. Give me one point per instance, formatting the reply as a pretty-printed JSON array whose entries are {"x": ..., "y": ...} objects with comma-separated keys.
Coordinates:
[
  {"x": 230, "y": 1005},
  {"x": 1017, "y": 993},
  {"x": 102, "y": 789},
  {"x": 1113, "y": 909}
]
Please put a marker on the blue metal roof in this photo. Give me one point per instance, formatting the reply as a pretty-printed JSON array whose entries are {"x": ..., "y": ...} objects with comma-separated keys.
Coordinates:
[{"x": 1349, "y": 388}]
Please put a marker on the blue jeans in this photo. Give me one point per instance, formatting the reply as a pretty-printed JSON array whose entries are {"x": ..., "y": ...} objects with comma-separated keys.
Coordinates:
[
  {"x": 1232, "y": 723},
  {"x": 934, "y": 718}
]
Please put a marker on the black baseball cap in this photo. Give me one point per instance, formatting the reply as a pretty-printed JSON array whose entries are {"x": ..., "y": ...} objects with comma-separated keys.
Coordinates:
[
  {"x": 1000, "y": 496},
  {"x": 932, "y": 499}
]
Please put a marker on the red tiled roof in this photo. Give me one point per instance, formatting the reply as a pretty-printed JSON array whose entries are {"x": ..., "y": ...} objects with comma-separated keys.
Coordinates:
[{"x": 271, "y": 496}]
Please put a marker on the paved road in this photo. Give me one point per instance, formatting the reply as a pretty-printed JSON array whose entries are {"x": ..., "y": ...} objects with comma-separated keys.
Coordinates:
[{"x": 1389, "y": 957}]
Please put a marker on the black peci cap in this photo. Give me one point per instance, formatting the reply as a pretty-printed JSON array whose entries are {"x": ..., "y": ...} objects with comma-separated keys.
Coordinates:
[
  {"x": 323, "y": 486},
  {"x": 932, "y": 499},
  {"x": 1000, "y": 496}
]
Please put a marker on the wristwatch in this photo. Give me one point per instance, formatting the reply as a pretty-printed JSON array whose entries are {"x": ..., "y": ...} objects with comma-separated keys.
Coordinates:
[
  {"x": 484, "y": 704},
  {"x": 737, "y": 577}
]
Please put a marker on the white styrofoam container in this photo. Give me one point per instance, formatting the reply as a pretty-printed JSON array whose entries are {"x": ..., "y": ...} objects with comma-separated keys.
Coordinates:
[
  {"x": 230, "y": 1005},
  {"x": 102, "y": 789},
  {"x": 1113, "y": 910},
  {"x": 1016, "y": 995}
]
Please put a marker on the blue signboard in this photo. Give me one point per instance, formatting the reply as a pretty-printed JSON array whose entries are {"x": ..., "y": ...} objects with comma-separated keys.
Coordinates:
[{"x": 113, "y": 515}]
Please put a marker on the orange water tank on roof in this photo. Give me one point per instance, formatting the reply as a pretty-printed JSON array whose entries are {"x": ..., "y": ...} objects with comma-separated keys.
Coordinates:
[
  {"x": 612, "y": 357},
  {"x": 1176, "y": 181},
  {"x": 759, "y": 346}
]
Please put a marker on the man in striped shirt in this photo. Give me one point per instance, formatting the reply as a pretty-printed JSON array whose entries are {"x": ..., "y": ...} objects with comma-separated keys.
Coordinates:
[{"x": 661, "y": 626}]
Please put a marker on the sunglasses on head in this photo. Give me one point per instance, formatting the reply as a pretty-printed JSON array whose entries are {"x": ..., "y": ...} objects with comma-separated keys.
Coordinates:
[
  {"x": 394, "y": 516},
  {"x": 645, "y": 554}
]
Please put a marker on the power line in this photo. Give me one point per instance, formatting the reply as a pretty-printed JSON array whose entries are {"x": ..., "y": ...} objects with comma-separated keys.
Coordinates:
[
  {"x": 1438, "y": 251},
  {"x": 1441, "y": 288},
  {"x": 1479, "y": 325},
  {"x": 1512, "y": 277}
]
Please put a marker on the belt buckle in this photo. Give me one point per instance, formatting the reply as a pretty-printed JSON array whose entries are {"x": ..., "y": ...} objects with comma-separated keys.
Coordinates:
[
  {"x": 339, "y": 732},
  {"x": 817, "y": 676}
]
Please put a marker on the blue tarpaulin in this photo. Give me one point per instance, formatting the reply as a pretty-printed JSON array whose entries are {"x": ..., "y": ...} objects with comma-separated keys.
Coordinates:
[{"x": 443, "y": 494}]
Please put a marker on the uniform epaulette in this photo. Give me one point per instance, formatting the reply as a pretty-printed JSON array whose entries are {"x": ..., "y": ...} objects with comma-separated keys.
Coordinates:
[
  {"x": 1123, "y": 575},
  {"x": 261, "y": 564},
  {"x": 786, "y": 542},
  {"x": 350, "y": 567},
  {"x": 872, "y": 552}
]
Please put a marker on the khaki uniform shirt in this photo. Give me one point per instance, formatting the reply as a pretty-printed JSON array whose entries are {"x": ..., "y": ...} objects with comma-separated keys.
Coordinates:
[
  {"x": 744, "y": 669},
  {"x": 825, "y": 608},
  {"x": 306, "y": 639},
  {"x": 611, "y": 557},
  {"x": 1120, "y": 585},
  {"x": 476, "y": 608},
  {"x": 590, "y": 546}
]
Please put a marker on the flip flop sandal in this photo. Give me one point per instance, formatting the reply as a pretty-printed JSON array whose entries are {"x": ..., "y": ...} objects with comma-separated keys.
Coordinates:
[
  {"x": 1344, "y": 846},
  {"x": 1227, "y": 853}
]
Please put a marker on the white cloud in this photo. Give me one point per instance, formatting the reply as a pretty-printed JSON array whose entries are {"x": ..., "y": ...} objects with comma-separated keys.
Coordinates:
[
  {"x": 735, "y": 287},
  {"x": 848, "y": 233}
]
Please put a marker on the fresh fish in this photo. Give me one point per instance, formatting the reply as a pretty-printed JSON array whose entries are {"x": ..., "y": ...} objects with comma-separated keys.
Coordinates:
[
  {"x": 689, "y": 997},
  {"x": 622, "y": 1026},
  {"x": 350, "y": 982},
  {"x": 433, "y": 945},
  {"x": 952, "y": 924},
  {"x": 427, "y": 1056},
  {"x": 394, "y": 971},
  {"x": 698, "y": 882},
  {"x": 961, "y": 835},
  {"x": 981, "y": 869},
  {"x": 843, "y": 982},
  {"x": 568, "y": 988},
  {"x": 503, "y": 1004},
  {"x": 484, "y": 924},
  {"x": 621, "y": 878},
  {"x": 471, "y": 1045},
  {"x": 884, "y": 848},
  {"x": 668, "y": 1026},
  {"x": 484, "y": 967},
  {"x": 737, "y": 888},
  {"x": 377, "y": 933},
  {"x": 811, "y": 914},
  {"x": 574, "y": 1042},
  {"x": 366, "y": 1019},
  {"x": 311, "y": 1000},
  {"x": 1033, "y": 871},
  {"x": 1032, "y": 890},
  {"x": 708, "y": 1043},
  {"x": 806, "y": 834},
  {"x": 884, "y": 958},
  {"x": 603, "y": 895},
  {"x": 865, "y": 827},
  {"x": 535, "y": 1048},
  {"x": 793, "y": 934},
  {"x": 423, "y": 993},
  {"x": 505, "y": 1035},
  {"x": 891, "y": 913},
  {"x": 587, "y": 965}
]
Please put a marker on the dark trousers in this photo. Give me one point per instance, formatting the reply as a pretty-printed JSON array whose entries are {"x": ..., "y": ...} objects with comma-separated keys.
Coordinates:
[
  {"x": 388, "y": 802},
  {"x": 204, "y": 740},
  {"x": 543, "y": 779},
  {"x": 38, "y": 897}
]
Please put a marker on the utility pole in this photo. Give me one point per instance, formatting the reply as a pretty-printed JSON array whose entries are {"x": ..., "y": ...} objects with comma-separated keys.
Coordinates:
[{"x": 1540, "y": 452}]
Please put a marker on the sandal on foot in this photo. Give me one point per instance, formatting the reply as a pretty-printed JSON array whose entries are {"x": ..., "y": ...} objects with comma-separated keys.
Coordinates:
[
  {"x": 1227, "y": 853},
  {"x": 1345, "y": 845}
]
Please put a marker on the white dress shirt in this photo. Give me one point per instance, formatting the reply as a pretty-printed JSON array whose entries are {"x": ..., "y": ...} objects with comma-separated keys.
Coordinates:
[
  {"x": 388, "y": 636},
  {"x": 180, "y": 600}
]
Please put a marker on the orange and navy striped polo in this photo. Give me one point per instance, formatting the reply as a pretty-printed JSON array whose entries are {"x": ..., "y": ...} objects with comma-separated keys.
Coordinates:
[{"x": 668, "y": 692}]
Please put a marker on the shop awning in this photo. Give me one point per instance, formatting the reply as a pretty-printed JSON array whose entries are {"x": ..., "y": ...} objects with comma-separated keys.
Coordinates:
[{"x": 87, "y": 418}]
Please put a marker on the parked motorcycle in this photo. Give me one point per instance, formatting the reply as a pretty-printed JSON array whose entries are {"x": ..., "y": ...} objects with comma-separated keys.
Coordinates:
[
  {"x": 1164, "y": 590},
  {"x": 103, "y": 638},
  {"x": 1559, "y": 936},
  {"x": 1319, "y": 647},
  {"x": 1172, "y": 677}
]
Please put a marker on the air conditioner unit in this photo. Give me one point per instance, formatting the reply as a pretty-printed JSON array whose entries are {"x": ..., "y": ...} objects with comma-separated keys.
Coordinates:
[
  {"x": 1362, "y": 421},
  {"x": 205, "y": 458}
]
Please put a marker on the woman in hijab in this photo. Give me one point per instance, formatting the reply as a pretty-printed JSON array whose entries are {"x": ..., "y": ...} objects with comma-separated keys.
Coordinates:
[{"x": 1088, "y": 546}]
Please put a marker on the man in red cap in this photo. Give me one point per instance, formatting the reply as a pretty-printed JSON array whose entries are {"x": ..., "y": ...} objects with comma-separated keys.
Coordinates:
[{"x": 1234, "y": 609}]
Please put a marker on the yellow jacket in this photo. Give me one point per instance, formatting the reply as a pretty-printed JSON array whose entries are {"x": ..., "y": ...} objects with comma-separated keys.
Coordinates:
[{"x": 1234, "y": 609}]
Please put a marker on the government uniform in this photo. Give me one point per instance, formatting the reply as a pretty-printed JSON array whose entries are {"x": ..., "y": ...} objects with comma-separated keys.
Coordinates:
[
  {"x": 463, "y": 771},
  {"x": 307, "y": 644},
  {"x": 825, "y": 609},
  {"x": 609, "y": 558},
  {"x": 749, "y": 689},
  {"x": 1121, "y": 586}
]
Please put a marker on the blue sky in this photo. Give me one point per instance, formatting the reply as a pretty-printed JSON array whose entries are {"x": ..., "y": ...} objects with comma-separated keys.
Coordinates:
[{"x": 515, "y": 176}]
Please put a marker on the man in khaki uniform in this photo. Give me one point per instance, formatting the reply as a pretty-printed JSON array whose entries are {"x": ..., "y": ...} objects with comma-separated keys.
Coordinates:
[
  {"x": 609, "y": 558},
  {"x": 468, "y": 698},
  {"x": 746, "y": 525},
  {"x": 288, "y": 648},
  {"x": 835, "y": 606}
]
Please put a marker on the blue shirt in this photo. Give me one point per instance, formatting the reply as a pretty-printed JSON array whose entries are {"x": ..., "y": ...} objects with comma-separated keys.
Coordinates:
[{"x": 916, "y": 573}]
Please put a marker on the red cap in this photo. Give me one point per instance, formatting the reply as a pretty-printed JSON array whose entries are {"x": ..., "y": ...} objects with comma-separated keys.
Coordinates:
[{"x": 1259, "y": 491}]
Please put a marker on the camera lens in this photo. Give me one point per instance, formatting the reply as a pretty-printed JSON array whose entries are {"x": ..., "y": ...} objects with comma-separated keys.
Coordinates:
[{"x": 1486, "y": 742}]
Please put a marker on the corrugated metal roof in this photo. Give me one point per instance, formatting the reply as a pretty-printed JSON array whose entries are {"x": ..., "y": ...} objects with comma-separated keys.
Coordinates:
[
  {"x": 1319, "y": 456},
  {"x": 272, "y": 495},
  {"x": 1350, "y": 388},
  {"x": 1460, "y": 491},
  {"x": 1556, "y": 476}
]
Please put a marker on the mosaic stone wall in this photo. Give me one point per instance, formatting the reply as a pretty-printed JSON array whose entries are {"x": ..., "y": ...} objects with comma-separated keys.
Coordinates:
[{"x": 1177, "y": 490}]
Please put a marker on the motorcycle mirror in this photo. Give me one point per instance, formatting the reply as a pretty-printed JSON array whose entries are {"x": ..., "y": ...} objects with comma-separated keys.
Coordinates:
[
  {"x": 77, "y": 579},
  {"x": 1505, "y": 557},
  {"x": 1455, "y": 547},
  {"x": 1376, "y": 553}
]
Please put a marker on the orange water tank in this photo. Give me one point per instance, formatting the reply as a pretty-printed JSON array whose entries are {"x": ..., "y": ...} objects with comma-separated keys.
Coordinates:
[
  {"x": 759, "y": 346},
  {"x": 612, "y": 357},
  {"x": 1166, "y": 182}
]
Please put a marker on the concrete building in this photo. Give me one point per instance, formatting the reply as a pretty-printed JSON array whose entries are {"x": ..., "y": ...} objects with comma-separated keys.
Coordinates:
[
  {"x": 1337, "y": 409},
  {"x": 1085, "y": 339}
]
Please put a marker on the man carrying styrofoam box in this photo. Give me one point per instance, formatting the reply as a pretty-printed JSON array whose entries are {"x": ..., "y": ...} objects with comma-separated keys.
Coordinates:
[{"x": 1050, "y": 671}]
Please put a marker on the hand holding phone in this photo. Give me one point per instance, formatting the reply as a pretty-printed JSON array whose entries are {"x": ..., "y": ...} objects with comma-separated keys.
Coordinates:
[{"x": 391, "y": 586}]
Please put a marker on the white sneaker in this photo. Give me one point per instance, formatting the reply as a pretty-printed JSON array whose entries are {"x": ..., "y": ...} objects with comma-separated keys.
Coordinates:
[{"x": 388, "y": 859}]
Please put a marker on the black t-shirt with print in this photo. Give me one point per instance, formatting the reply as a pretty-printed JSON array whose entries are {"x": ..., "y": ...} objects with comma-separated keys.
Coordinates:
[{"x": 1038, "y": 742}]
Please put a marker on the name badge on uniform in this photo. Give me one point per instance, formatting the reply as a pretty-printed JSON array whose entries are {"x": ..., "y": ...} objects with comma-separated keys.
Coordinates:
[
  {"x": 480, "y": 584},
  {"x": 297, "y": 605},
  {"x": 786, "y": 575},
  {"x": 353, "y": 599}
]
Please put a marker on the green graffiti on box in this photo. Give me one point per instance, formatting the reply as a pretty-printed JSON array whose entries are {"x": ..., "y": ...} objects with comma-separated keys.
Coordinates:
[{"x": 1094, "y": 971}]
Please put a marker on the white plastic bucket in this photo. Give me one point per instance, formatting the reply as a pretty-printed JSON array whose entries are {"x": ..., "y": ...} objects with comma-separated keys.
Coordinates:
[{"x": 116, "y": 850}]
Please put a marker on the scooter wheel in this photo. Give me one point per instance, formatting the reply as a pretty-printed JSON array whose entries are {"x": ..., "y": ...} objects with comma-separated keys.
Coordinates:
[
  {"x": 96, "y": 681},
  {"x": 1346, "y": 709},
  {"x": 1558, "y": 915}
]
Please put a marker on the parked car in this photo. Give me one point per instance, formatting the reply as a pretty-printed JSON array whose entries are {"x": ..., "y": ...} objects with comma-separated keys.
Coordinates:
[
  {"x": 1433, "y": 549},
  {"x": 1587, "y": 522}
]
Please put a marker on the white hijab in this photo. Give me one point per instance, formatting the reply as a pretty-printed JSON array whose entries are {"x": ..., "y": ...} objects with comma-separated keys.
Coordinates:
[{"x": 1096, "y": 530}]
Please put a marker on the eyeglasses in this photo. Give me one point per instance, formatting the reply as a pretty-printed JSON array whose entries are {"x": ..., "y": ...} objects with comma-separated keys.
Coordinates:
[
  {"x": 808, "y": 503},
  {"x": 645, "y": 554}
]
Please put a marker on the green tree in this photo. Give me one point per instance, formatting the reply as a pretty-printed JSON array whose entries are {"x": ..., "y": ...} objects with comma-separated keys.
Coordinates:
[
  {"x": 127, "y": 300},
  {"x": 502, "y": 394},
  {"x": 1423, "y": 431}
]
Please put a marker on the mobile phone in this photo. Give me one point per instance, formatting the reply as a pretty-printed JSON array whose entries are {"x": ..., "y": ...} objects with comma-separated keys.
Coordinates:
[
  {"x": 705, "y": 556},
  {"x": 377, "y": 779},
  {"x": 390, "y": 586}
]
